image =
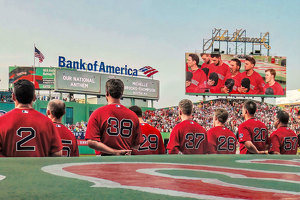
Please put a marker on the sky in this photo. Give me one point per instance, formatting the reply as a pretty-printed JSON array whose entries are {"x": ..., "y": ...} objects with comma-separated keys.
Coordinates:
[{"x": 139, "y": 33}]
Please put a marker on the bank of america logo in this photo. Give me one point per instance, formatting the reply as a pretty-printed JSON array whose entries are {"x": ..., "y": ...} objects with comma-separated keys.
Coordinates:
[{"x": 148, "y": 71}]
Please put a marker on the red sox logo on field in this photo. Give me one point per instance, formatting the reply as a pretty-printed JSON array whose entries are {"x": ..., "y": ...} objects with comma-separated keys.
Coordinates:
[{"x": 151, "y": 177}]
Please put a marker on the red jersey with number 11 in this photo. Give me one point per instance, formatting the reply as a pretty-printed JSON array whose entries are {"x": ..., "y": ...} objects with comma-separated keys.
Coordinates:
[
  {"x": 28, "y": 133},
  {"x": 116, "y": 126},
  {"x": 187, "y": 137}
]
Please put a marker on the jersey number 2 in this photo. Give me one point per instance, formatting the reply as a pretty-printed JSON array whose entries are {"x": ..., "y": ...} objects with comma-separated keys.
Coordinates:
[{"x": 20, "y": 144}]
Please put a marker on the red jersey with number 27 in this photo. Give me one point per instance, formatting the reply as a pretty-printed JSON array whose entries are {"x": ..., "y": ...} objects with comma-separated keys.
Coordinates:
[
  {"x": 153, "y": 142},
  {"x": 28, "y": 133},
  {"x": 284, "y": 141},
  {"x": 187, "y": 137},
  {"x": 255, "y": 131},
  {"x": 221, "y": 141},
  {"x": 116, "y": 126},
  {"x": 68, "y": 140}
]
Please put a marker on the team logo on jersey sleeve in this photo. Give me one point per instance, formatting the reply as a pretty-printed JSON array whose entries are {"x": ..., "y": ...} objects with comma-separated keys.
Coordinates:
[{"x": 241, "y": 135}]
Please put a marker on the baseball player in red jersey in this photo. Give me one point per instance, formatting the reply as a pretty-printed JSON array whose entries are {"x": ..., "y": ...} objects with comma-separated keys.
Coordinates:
[
  {"x": 220, "y": 139},
  {"x": 253, "y": 134},
  {"x": 55, "y": 111},
  {"x": 113, "y": 129},
  {"x": 199, "y": 77},
  {"x": 206, "y": 60},
  {"x": 24, "y": 132},
  {"x": 272, "y": 87},
  {"x": 283, "y": 140},
  {"x": 233, "y": 80},
  {"x": 187, "y": 137},
  {"x": 153, "y": 142},
  {"x": 251, "y": 81}
]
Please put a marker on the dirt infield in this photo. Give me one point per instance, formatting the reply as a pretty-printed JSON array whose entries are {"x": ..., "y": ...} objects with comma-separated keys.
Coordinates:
[{"x": 151, "y": 177}]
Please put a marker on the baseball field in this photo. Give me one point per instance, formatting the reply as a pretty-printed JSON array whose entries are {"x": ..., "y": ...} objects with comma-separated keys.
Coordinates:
[{"x": 151, "y": 177}]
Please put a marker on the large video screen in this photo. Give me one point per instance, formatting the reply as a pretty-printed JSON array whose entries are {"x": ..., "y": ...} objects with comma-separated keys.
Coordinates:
[
  {"x": 42, "y": 77},
  {"x": 240, "y": 75}
]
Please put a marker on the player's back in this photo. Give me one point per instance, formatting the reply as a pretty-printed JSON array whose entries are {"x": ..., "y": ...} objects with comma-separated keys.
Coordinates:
[
  {"x": 28, "y": 133},
  {"x": 68, "y": 140},
  {"x": 114, "y": 125},
  {"x": 188, "y": 137},
  {"x": 152, "y": 141},
  {"x": 221, "y": 141},
  {"x": 284, "y": 141},
  {"x": 255, "y": 131}
]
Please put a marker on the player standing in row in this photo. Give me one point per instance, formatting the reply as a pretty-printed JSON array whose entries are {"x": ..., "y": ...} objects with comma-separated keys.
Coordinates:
[
  {"x": 233, "y": 80},
  {"x": 153, "y": 142},
  {"x": 187, "y": 137},
  {"x": 272, "y": 87},
  {"x": 113, "y": 129},
  {"x": 220, "y": 139},
  {"x": 25, "y": 132},
  {"x": 206, "y": 60},
  {"x": 283, "y": 140},
  {"x": 199, "y": 77},
  {"x": 221, "y": 69},
  {"x": 251, "y": 81},
  {"x": 253, "y": 134},
  {"x": 55, "y": 111}
]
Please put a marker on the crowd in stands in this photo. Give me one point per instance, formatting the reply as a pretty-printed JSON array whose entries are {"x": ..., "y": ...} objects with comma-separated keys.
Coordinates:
[
  {"x": 78, "y": 129},
  {"x": 6, "y": 97}
]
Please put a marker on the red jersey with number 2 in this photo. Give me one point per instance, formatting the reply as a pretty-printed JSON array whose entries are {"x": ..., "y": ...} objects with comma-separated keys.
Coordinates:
[
  {"x": 116, "y": 126},
  {"x": 221, "y": 141},
  {"x": 255, "y": 131},
  {"x": 28, "y": 133},
  {"x": 187, "y": 137},
  {"x": 153, "y": 142}
]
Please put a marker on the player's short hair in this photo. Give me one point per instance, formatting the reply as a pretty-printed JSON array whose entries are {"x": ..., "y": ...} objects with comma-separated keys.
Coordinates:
[
  {"x": 246, "y": 83},
  {"x": 214, "y": 77},
  {"x": 269, "y": 91},
  {"x": 195, "y": 58},
  {"x": 24, "y": 91},
  {"x": 229, "y": 83},
  {"x": 137, "y": 110},
  {"x": 215, "y": 55},
  {"x": 272, "y": 72},
  {"x": 222, "y": 115},
  {"x": 202, "y": 54},
  {"x": 205, "y": 70},
  {"x": 188, "y": 76},
  {"x": 186, "y": 106},
  {"x": 237, "y": 61},
  {"x": 283, "y": 117},
  {"x": 57, "y": 108},
  {"x": 250, "y": 106},
  {"x": 115, "y": 88},
  {"x": 251, "y": 60}
]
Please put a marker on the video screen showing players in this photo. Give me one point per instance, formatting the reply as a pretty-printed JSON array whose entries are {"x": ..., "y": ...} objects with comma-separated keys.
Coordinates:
[{"x": 226, "y": 74}]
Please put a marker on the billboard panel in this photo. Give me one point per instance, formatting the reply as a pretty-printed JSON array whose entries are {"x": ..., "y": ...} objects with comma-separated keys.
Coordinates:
[
  {"x": 226, "y": 74},
  {"x": 77, "y": 82},
  {"x": 94, "y": 83},
  {"x": 42, "y": 77}
]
